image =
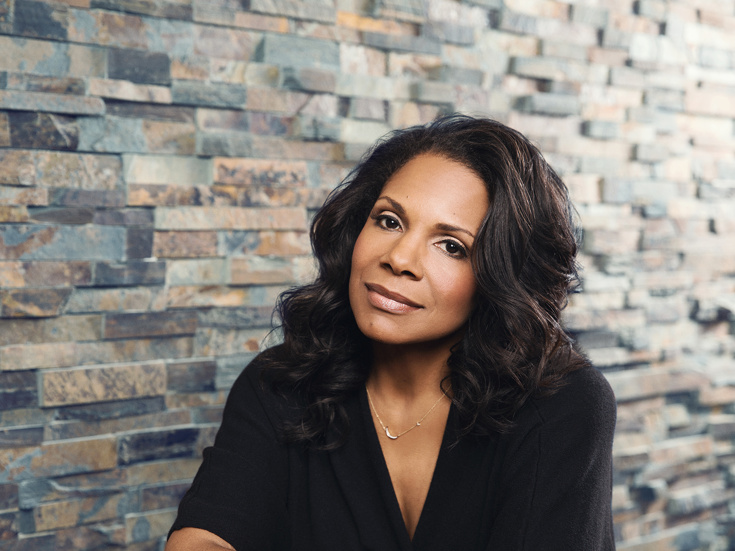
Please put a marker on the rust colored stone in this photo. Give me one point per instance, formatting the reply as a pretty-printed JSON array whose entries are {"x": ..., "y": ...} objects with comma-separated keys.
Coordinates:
[
  {"x": 13, "y": 214},
  {"x": 259, "y": 172},
  {"x": 173, "y": 195},
  {"x": 33, "y": 303},
  {"x": 190, "y": 296}
]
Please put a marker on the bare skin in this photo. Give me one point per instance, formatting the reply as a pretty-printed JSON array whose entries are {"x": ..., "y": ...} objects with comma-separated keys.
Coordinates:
[
  {"x": 195, "y": 539},
  {"x": 403, "y": 389}
]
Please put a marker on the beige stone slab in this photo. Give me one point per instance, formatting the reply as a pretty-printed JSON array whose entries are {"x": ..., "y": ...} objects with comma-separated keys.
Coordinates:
[
  {"x": 169, "y": 471},
  {"x": 13, "y": 214},
  {"x": 78, "y": 171},
  {"x": 230, "y": 218},
  {"x": 110, "y": 29},
  {"x": 160, "y": 169},
  {"x": 54, "y": 103},
  {"x": 718, "y": 104},
  {"x": 39, "y": 57},
  {"x": 170, "y": 137},
  {"x": 638, "y": 383},
  {"x": 200, "y": 271},
  {"x": 111, "y": 300},
  {"x": 129, "y": 91},
  {"x": 67, "y": 354},
  {"x": 67, "y": 328},
  {"x": 68, "y": 513},
  {"x": 44, "y": 273},
  {"x": 102, "y": 384},
  {"x": 280, "y": 148},
  {"x": 184, "y": 244},
  {"x": 680, "y": 450},
  {"x": 353, "y": 131},
  {"x": 214, "y": 341},
  {"x": 58, "y": 459},
  {"x": 17, "y": 167}
]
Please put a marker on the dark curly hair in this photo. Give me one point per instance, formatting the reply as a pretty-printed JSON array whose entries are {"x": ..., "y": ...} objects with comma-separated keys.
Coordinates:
[{"x": 523, "y": 260}]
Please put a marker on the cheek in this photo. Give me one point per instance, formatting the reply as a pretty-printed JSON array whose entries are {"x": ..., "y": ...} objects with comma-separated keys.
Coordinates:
[
  {"x": 358, "y": 253},
  {"x": 458, "y": 290}
]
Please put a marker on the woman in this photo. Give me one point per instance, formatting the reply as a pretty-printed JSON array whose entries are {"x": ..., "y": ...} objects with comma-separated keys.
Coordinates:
[{"x": 425, "y": 396}]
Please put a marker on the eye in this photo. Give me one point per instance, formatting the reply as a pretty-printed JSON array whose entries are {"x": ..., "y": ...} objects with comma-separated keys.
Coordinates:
[
  {"x": 453, "y": 248},
  {"x": 387, "y": 222}
]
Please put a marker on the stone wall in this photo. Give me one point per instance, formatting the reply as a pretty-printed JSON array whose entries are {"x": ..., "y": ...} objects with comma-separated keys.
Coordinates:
[{"x": 159, "y": 162}]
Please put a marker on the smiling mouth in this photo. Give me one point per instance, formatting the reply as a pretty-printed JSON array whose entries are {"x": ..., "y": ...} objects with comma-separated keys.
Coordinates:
[{"x": 383, "y": 299}]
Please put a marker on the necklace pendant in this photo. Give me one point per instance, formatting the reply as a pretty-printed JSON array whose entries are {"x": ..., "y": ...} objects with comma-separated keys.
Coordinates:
[{"x": 389, "y": 435}]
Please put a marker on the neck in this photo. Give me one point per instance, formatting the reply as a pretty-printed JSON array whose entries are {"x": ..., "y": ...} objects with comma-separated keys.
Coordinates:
[{"x": 408, "y": 371}]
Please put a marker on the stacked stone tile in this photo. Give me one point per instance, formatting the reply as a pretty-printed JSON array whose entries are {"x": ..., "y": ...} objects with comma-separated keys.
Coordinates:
[{"x": 159, "y": 162}]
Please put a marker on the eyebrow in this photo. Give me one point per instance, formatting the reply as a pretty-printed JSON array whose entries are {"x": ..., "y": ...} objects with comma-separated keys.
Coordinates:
[{"x": 444, "y": 227}]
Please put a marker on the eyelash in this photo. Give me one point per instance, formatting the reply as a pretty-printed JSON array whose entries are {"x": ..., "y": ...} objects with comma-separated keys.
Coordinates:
[{"x": 380, "y": 220}]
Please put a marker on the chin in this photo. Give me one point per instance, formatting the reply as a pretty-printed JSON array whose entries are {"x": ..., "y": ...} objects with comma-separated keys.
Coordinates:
[{"x": 395, "y": 336}]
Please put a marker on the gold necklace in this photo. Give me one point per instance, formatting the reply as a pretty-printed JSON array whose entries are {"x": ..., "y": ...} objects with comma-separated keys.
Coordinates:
[{"x": 385, "y": 428}]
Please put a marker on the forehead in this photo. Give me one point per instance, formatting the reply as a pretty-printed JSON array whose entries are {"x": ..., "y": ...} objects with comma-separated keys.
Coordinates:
[{"x": 440, "y": 187}]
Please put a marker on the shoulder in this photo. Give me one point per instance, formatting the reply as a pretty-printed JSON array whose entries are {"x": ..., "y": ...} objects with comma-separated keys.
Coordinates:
[
  {"x": 583, "y": 402},
  {"x": 252, "y": 398},
  {"x": 256, "y": 378}
]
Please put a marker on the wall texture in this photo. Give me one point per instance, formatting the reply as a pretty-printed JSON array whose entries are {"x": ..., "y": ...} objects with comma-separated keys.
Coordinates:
[{"x": 159, "y": 161}]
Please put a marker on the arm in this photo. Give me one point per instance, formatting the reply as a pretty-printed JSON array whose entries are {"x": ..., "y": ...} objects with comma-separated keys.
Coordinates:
[
  {"x": 195, "y": 539},
  {"x": 557, "y": 474}
]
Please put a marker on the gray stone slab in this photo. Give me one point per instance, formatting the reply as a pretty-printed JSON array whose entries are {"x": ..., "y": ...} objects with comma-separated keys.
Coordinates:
[{"x": 297, "y": 51}]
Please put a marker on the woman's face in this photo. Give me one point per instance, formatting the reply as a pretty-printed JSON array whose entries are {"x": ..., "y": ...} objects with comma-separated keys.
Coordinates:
[{"x": 411, "y": 280}]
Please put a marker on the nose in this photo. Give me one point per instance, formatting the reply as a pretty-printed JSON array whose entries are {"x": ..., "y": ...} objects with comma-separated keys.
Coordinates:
[{"x": 404, "y": 257}]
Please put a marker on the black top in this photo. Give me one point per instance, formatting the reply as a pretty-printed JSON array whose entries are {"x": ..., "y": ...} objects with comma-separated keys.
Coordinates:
[{"x": 544, "y": 486}]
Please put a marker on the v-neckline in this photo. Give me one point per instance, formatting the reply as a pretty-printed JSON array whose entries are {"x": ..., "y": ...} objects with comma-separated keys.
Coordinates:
[{"x": 386, "y": 483}]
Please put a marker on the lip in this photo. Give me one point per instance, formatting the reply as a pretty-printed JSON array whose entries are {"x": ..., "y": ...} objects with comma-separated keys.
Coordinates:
[{"x": 386, "y": 300}]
